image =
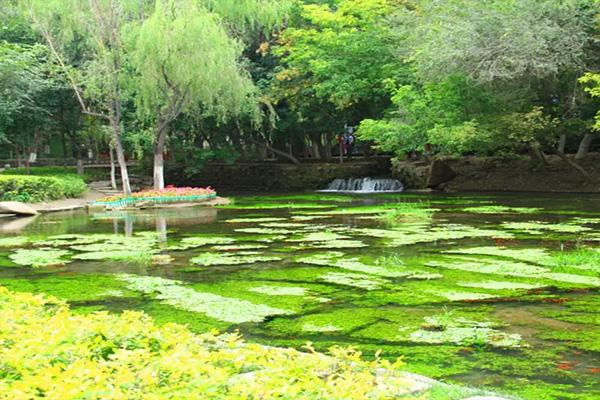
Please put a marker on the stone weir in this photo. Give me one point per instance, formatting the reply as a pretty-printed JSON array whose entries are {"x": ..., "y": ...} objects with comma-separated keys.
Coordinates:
[{"x": 278, "y": 177}]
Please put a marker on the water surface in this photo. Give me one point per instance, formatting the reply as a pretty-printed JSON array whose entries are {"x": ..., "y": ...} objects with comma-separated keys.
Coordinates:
[{"x": 497, "y": 291}]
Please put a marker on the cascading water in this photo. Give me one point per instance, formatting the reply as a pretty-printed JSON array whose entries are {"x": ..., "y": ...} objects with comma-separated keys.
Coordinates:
[{"x": 365, "y": 185}]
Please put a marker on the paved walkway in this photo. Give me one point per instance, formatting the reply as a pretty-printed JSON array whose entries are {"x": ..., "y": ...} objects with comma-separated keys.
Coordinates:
[{"x": 68, "y": 204}]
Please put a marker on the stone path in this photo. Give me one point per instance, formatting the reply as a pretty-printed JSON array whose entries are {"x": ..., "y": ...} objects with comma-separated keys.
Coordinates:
[{"x": 68, "y": 204}]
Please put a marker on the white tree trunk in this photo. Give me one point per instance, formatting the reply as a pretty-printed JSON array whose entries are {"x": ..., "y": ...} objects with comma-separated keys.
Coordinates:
[
  {"x": 122, "y": 164},
  {"x": 159, "y": 159},
  {"x": 113, "y": 169},
  {"x": 584, "y": 146},
  {"x": 562, "y": 143}
]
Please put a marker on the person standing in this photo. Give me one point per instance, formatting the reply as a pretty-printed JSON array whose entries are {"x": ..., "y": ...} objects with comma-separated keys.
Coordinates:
[{"x": 350, "y": 141}]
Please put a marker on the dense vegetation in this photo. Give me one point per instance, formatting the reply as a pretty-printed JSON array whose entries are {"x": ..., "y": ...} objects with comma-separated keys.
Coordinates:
[
  {"x": 40, "y": 184},
  {"x": 201, "y": 80}
]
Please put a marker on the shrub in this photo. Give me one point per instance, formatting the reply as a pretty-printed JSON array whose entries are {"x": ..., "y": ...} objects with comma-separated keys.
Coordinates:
[
  {"x": 34, "y": 188},
  {"x": 47, "y": 351}
]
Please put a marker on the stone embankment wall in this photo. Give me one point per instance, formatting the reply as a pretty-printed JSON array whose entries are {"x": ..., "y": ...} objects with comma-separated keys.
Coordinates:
[
  {"x": 279, "y": 177},
  {"x": 503, "y": 175}
]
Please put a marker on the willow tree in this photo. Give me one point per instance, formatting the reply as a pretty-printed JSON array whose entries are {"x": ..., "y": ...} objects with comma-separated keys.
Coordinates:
[
  {"x": 188, "y": 58},
  {"x": 94, "y": 28}
]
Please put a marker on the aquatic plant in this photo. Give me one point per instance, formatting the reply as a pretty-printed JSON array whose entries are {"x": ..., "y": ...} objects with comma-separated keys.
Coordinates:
[
  {"x": 256, "y": 220},
  {"x": 238, "y": 247},
  {"x": 208, "y": 259},
  {"x": 408, "y": 212},
  {"x": 445, "y": 329},
  {"x": 355, "y": 280},
  {"x": 414, "y": 234},
  {"x": 50, "y": 352},
  {"x": 498, "y": 209},
  {"x": 511, "y": 268},
  {"x": 352, "y": 264},
  {"x": 176, "y": 294},
  {"x": 535, "y": 255},
  {"x": 36, "y": 258},
  {"x": 17, "y": 241},
  {"x": 266, "y": 231},
  {"x": 280, "y": 290},
  {"x": 538, "y": 227},
  {"x": 199, "y": 241},
  {"x": 143, "y": 257},
  {"x": 319, "y": 328},
  {"x": 454, "y": 295},
  {"x": 501, "y": 285}
]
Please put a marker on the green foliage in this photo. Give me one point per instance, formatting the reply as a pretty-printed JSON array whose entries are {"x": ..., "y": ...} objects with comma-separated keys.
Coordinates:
[
  {"x": 593, "y": 88},
  {"x": 444, "y": 114},
  {"x": 211, "y": 79},
  {"x": 33, "y": 188},
  {"x": 498, "y": 40}
]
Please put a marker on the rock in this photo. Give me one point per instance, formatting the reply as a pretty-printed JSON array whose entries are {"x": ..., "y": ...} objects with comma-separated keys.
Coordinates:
[
  {"x": 412, "y": 173},
  {"x": 439, "y": 172},
  {"x": 16, "y": 207}
]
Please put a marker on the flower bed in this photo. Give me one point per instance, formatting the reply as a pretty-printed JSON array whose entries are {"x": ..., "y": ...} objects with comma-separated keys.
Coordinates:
[{"x": 169, "y": 194}]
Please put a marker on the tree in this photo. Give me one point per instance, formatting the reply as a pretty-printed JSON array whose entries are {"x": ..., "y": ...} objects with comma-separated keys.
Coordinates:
[
  {"x": 479, "y": 66},
  {"x": 498, "y": 40},
  {"x": 187, "y": 62},
  {"x": 337, "y": 62},
  {"x": 25, "y": 79},
  {"x": 85, "y": 38}
]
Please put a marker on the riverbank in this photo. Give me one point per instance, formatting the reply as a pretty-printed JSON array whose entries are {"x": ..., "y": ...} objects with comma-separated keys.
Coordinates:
[{"x": 492, "y": 174}]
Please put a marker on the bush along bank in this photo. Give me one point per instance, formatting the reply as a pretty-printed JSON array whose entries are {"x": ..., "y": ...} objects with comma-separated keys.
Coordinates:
[{"x": 36, "y": 188}]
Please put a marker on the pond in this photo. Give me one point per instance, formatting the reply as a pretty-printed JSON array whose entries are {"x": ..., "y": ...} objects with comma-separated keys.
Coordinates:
[{"x": 493, "y": 291}]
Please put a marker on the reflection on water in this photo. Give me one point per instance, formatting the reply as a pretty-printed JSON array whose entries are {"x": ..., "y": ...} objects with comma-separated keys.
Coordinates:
[{"x": 126, "y": 222}]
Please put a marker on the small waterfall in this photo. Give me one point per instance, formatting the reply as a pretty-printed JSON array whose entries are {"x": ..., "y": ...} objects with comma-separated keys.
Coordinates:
[{"x": 365, "y": 185}]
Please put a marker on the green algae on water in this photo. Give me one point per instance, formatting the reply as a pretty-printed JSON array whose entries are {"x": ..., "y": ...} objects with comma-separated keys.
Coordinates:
[
  {"x": 209, "y": 259},
  {"x": 176, "y": 294},
  {"x": 36, "y": 258}
]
